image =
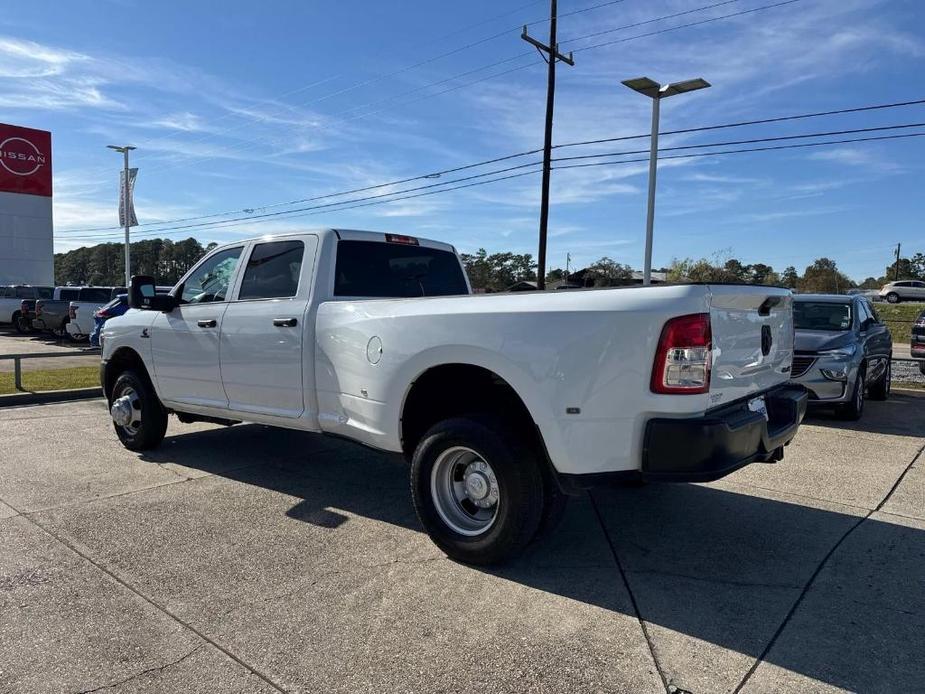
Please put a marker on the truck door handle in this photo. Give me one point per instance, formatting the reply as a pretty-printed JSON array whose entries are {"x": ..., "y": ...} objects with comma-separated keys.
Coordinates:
[
  {"x": 211, "y": 323},
  {"x": 285, "y": 322}
]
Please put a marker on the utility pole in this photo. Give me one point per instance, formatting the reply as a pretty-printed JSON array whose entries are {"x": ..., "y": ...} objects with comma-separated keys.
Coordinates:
[
  {"x": 552, "y": 51},
  {"x": 896, "y": 270},
  {"x": 568, "y": 261},
  {"x": 126, "y": 204}
]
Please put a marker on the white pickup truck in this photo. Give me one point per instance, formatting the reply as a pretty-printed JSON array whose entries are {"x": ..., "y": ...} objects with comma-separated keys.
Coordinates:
[{"x": 503, "y": 403}]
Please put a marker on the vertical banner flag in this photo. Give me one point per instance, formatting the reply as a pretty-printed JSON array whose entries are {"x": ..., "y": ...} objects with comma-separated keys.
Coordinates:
[{"x": 133, "y": 220}]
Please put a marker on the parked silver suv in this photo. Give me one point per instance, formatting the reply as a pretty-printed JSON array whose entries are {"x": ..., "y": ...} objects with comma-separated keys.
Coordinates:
[
  {"x": 842, "y": 351},
  {"x": 904, "y": 290}
]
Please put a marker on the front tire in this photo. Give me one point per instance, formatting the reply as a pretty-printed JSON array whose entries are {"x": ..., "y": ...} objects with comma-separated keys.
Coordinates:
[
  {"x": 478, "y": 491},
  {"x": 881, "y": 389},
  {"x": 892, "y": 298},
  {"x": 139, "y": 418}
]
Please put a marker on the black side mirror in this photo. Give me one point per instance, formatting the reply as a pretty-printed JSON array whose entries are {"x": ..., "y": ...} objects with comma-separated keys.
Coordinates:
[{"x": 143, "y": 294}]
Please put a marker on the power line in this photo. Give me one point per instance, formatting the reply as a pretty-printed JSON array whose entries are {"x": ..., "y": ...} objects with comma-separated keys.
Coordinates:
[
  {"x": 748, "y": 142},
  {"x": 379, "y": 199},
  {"x": 508, "y": 157}
]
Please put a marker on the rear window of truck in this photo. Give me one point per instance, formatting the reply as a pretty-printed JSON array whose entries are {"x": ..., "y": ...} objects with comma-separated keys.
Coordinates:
[
  {"x": 391, "y": 270},
  {"x": 100, "y": 294}
]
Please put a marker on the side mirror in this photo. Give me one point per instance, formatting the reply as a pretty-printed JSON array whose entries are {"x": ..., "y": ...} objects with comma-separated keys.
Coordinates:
[{"x": 143, "y": 294}]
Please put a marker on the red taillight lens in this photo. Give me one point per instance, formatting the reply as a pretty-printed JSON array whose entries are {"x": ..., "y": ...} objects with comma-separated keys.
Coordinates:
[
  {"x": 72, "y": 312},
  {"x": 102, "y": 314},
  {"x": 683, "y": 357},
  {"x": 38, "y": 307}
]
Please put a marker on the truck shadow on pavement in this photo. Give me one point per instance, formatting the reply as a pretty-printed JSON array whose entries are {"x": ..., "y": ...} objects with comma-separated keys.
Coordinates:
[
  {"x": 711, "y": 571},
  {"x": 902, "y": 415}
]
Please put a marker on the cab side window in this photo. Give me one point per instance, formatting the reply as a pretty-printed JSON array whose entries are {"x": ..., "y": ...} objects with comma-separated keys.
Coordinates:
[
  {"x": 210, "y": 281},
  {"x": 273, "y": 271}
]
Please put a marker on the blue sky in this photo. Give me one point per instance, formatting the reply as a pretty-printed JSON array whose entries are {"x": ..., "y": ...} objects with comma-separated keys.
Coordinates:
[{"x": 241, "y": 105}]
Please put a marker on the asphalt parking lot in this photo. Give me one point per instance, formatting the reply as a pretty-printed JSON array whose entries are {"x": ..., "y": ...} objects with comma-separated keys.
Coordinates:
[{"x": 257, "y": 560}]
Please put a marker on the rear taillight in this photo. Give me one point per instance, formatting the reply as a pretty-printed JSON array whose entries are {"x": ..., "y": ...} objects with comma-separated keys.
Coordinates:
[
  {"x": 102, "y": 314},
  {"x": 72, "y": 312},
  {"x": 38, "y": 308},
  {"x": 23, "y": 306},
  {"x": 683, "y": 356},
  {"x": 400, "y": 238}
]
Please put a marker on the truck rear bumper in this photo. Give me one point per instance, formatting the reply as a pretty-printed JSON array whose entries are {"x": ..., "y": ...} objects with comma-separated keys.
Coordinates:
[{"x": 723, "y": 440}]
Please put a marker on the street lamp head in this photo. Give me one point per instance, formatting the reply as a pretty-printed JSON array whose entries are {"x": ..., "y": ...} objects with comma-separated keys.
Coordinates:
[
  {"x": 644, "y": 86},
  {"x": 685, "y": 86},
  {"x": 654, "y": 90},
  {"x": 122, "y": 150}
]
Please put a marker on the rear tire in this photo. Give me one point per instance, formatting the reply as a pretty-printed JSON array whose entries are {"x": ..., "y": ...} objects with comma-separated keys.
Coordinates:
[
  {"x": 454, "y": 464},
  {"x": 881, "y": 389},
  {"x": 20, "y": 324},
  {"x": 892, "y": 298},
  {"x": 852, "y": 411},
  {"x": 148, "y": 422}
]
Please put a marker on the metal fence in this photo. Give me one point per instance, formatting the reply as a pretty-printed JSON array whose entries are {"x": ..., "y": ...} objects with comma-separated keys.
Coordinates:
[{"x": 17, "y": 361}]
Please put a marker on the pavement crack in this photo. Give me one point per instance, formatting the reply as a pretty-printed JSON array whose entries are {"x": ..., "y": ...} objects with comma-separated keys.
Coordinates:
[
  {"x": 156, "y": 605},
  {"x": 721, "y": 581},
  {"x": 825, "y": 560},
  {"x": 148, "y": 671},
  {"x": 629, "y": 591}
]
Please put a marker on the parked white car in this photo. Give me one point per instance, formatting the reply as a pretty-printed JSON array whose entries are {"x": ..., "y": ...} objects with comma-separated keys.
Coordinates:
[
  {"x": 503, "y": 403},
  {"x": 904, "y": 290}
]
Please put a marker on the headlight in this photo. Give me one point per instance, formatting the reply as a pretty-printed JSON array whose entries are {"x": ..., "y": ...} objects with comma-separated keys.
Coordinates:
[{"x": 840, "y": 353}]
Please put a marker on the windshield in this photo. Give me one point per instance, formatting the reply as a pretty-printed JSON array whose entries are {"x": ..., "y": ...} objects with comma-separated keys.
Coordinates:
[{"x": 809, "y": 315}]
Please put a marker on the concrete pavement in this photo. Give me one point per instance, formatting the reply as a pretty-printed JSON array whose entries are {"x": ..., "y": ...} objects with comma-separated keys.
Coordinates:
[{"x": 252, "y": 559}]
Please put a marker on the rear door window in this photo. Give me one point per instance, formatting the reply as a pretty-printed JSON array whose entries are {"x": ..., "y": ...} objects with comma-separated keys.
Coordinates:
[
  {"x": 68, "y": 295},
  {"x": 45, "y": 292},
  {"x": 25, "y": 293},
  {"x": 95, "y": 294},
  {"x": 391, "y": 270},
  {"x": 273, "y": 271}
]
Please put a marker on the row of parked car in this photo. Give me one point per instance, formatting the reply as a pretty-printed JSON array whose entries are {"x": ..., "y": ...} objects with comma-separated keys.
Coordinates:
[{"x": 72, "y": 312}]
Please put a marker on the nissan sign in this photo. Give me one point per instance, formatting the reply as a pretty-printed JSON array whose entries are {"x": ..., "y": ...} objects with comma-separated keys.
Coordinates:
[{"x": 25, "y": 160}]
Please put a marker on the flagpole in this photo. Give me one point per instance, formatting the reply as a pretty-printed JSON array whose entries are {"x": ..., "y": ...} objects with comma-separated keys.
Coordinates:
[{"x": 126, "y": 209}]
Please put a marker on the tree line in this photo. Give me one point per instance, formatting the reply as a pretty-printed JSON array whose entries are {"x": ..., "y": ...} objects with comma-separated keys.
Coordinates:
[
  {"x": 168, "y": 260},
  {"x": 104, "y": 264}
]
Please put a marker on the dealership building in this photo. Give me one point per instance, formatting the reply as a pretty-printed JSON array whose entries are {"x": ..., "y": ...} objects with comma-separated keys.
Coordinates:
[{"x": 26, "y": 235}]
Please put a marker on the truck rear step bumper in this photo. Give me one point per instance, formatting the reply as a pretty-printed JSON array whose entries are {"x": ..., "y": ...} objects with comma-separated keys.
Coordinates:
[{"x": 723, "y": 440}]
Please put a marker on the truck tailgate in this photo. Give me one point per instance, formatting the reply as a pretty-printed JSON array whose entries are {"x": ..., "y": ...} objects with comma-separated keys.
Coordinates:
[{"x": 752, "y": 340}]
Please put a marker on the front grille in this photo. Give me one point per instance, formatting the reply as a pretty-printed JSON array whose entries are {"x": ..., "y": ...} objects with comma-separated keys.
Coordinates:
[{"x": 801, "y": 365}]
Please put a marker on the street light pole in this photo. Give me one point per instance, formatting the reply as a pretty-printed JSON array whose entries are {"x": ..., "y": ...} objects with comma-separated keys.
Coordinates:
[
  {"x": 126, "y": 205},
  {"x": 657, "y": 92},
  {"x": 650, "y": 207}
]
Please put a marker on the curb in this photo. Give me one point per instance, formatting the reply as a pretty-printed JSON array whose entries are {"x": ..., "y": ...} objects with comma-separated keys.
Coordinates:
[{"x": 49, "y": 396}]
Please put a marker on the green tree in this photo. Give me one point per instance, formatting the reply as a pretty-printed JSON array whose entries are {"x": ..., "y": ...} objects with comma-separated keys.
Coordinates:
[
  {"x": 823, "y": 276},
  {"x": 606, "y": 272},
  {"x": 498, "y": 271},
  {"x": 790, "y": 277}
]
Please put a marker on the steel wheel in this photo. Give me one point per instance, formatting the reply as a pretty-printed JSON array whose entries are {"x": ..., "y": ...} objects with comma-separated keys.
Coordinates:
[
  {"x": 465, "y": 491},
  {"x": 126, "y": 411}
]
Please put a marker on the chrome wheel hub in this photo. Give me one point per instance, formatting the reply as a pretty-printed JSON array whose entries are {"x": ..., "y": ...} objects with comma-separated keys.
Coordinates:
[
  {"x": 480, "y": 484},
  {"x": 126, "y": 411},
  {"x": 465, "y": 491}
]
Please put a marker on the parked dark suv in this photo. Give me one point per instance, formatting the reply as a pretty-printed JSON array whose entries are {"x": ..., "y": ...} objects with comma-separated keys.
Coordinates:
[
  {"x": 842, "y": 351},
  {"x": 917, "y": 343}
]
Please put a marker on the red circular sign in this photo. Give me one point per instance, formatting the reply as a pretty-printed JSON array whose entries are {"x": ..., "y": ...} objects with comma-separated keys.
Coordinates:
[{"x": 20, "y": 157}]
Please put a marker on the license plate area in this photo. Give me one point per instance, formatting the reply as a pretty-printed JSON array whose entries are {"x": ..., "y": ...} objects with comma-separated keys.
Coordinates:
[{"x": 759, "y": 405}]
